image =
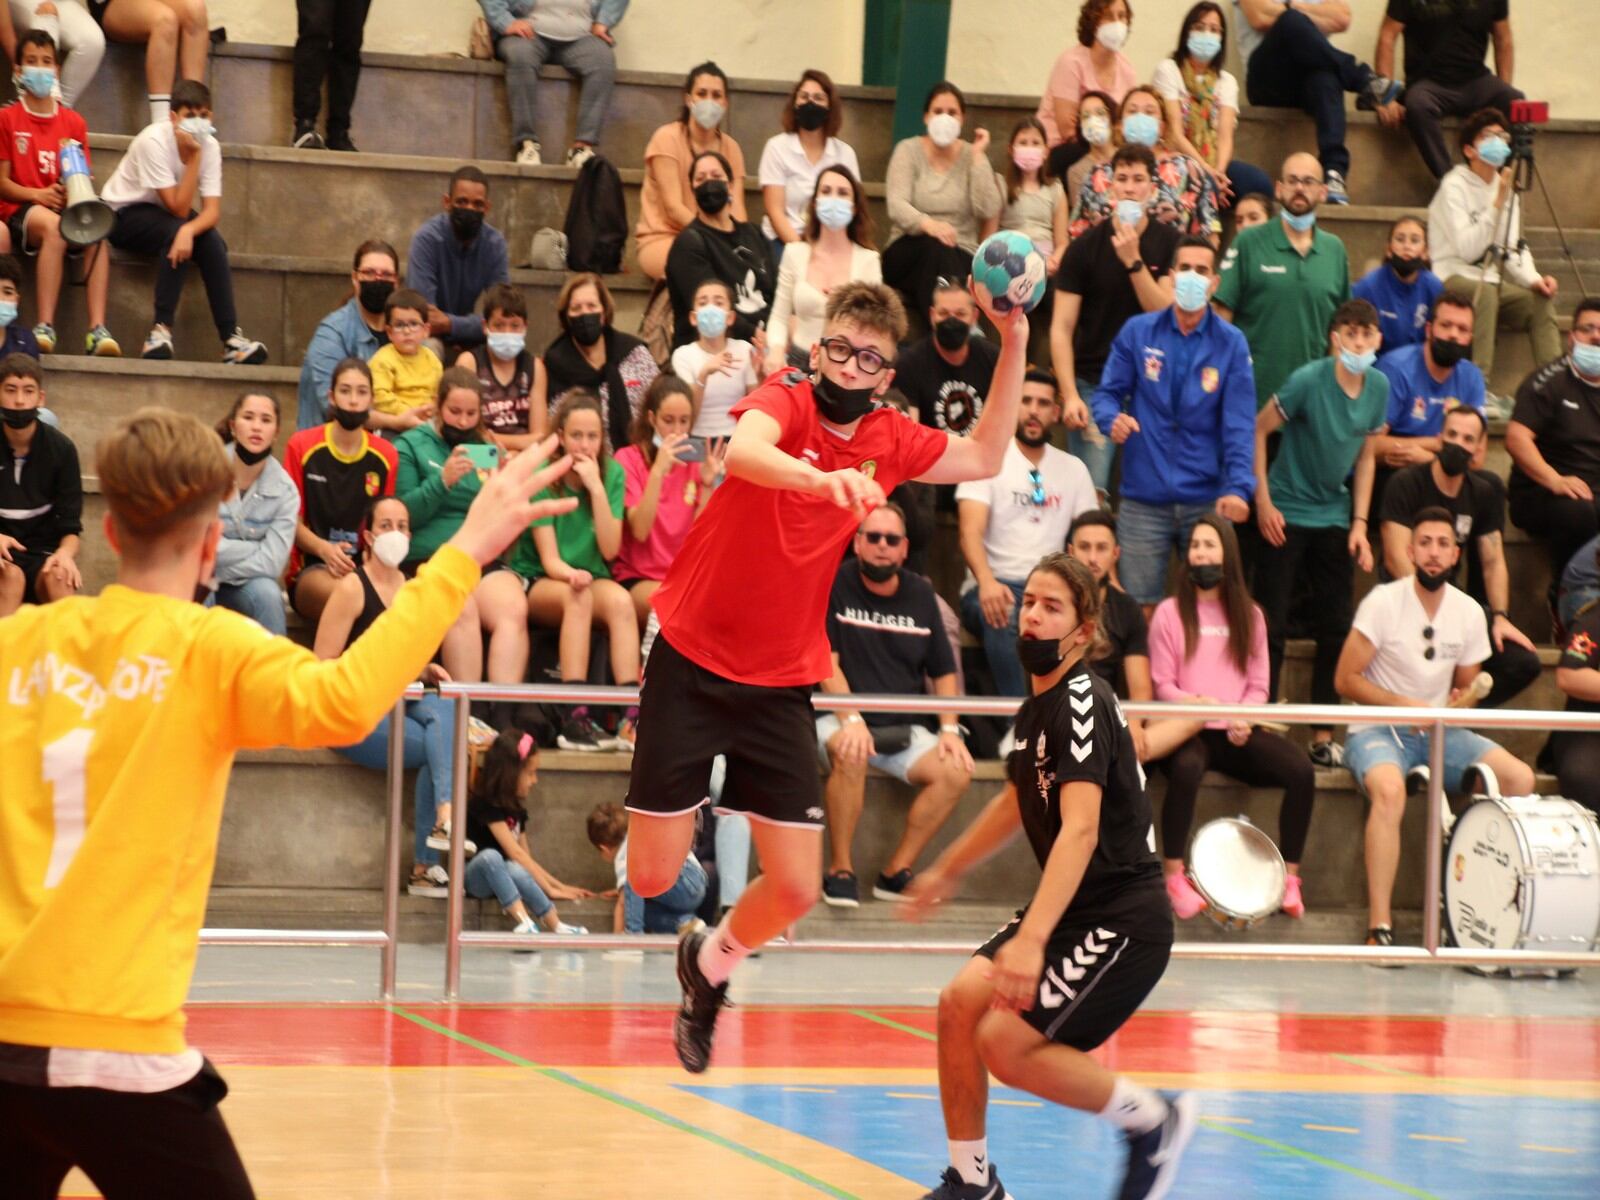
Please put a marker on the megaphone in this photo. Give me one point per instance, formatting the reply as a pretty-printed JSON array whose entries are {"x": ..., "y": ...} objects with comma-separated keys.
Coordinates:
[{"x": 86, "y": 219}]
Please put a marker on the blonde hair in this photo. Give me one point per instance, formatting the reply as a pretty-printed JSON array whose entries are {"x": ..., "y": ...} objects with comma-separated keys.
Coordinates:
[{"x": 161, "y": 470}]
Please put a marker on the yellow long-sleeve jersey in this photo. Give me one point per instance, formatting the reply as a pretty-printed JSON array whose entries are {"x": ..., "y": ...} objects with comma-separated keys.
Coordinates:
[{"x": 119, "y": 719}]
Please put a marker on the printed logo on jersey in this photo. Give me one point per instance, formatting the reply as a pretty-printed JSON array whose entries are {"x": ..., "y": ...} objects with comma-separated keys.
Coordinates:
[
  {"x": 1043, "y": 776},
  {"x": 372, "y": 483},
  {"x": 957, "y": 408},
  {"x": 1152, "y": 364},
  {"x": 1082, "y": 701},
  {"x": 869, "y": 468},
  {"x": 1210, "y": 379},
  {"x": 1056, "y": 986},
  {"x": 1463, "y": 526},
  {"x": 51, "y": 676},
  {"x": 22, "y": 138}
]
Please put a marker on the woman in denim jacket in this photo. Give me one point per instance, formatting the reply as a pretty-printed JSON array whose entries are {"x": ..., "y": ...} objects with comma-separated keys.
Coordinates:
[{"x": 258, "y": 519}]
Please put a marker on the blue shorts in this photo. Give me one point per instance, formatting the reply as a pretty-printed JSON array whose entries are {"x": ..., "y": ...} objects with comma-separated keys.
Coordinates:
[
  {"x": 1367, "y": 748},
  {"x": 899, "y": 764}
]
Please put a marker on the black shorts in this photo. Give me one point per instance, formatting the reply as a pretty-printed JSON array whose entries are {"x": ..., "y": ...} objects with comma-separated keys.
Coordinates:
[
  {"x": 1094, "y": 980},
  {"x": 689, "y": 715},
  {"x": 30, "y": 564},
  {"x": 17, "y": 224},
  {"x": 172, "y": 1143}
]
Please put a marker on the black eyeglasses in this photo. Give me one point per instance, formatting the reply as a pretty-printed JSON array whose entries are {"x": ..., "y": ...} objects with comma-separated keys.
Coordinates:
[
  {"x": 890, "y": 540},
  {"x": 1427, "y": 633},
  {"x": 1038, "y": 485},
  {"x": 839, "y": 350}
]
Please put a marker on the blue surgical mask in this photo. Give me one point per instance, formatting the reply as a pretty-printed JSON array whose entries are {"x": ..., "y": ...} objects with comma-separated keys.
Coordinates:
[
  {"x": 1140, "y": 129},
  {"x": 1495, "y": 151},
  {"x": 835, "y": 212},
  {"x": 197, "y": 127},
  {"x": 1129, "y": 212},
  {"x": 507, "y": 345},
  {"x": 1301, "y": 222},
  {"x": 1204, "y": 45},
  {"x": 1192, "y": 290},
  {"x": 40, "y": 81},
  {"x": 1357, "y": 364},
  {"x": 8, "y": 313},
  {"x": 710, "y": 320},
  {"x": 1586, "y": 358}
]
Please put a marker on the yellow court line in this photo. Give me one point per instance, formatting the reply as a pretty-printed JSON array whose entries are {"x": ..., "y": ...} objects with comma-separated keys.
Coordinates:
[
  {"x": 1549, "y": 1149},
  {"x": 1435, "y": 1137},
  {"x": 1019, "y": 1103},
  {"x": 814, "y": 1091},
  {"x": 1331, "y": 1128},
  {"x": 910, "y": 1096}
]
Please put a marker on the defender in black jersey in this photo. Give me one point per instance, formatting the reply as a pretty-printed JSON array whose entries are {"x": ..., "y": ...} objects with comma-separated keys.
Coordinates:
[{"x": 1075, "y": 964}]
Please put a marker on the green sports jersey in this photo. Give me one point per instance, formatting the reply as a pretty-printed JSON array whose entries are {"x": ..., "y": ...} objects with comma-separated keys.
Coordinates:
[{"x": 1323, "y": 431}]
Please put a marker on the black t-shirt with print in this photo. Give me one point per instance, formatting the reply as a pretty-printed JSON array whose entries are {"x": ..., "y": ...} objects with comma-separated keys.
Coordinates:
[
  {"x": 1076, "y": 732},
  {"x": 1582, "y": 651},
  {"x": 1091, "y": 269},
  {"x": 1479, "y": 509},
  {"x": 947, "y": 397},
  {"x": 888, "y": 644}
]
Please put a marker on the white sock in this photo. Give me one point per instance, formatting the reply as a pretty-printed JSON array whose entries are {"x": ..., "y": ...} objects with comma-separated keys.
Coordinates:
[
  {"x": 721, "y": 953},
  {"x": 160, "y": 107},
  {"x": 1134, "y": 1108},
  {"x": 971, "y": 1160}
]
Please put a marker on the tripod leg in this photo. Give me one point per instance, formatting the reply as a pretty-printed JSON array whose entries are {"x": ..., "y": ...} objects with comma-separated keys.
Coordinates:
[{"x": 1566, "y": 250}]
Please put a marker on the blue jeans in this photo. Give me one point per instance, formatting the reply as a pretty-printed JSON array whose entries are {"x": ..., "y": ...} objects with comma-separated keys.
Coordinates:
[
  {"x": 260, "y": 599},
  {"x": 664, "y": 913},
  {"x": 429, "y": 730},
  {"x": 733, "y": 842},
  {"x": 999, "y": 645},
  {"x": 1149, "y": 533},
  {"x": 489, "y": 874},
  {"x": 1296, "y": 66},
  {"x": 1095, "y": 455},
  {"x": 1376, "y": 745}
]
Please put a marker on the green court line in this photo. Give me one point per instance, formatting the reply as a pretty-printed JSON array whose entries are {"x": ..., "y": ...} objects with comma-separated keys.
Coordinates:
[
  {"x": 634, "y": 1106},
  {"x": 1333, "y": 1163},
  {"x": 1380, "y": 1068},
  {"x": 867, "y": 1015}
]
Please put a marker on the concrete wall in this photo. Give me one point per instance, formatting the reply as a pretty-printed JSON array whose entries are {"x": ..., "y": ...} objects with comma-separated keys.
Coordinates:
[{"x": 752, "y": 38}]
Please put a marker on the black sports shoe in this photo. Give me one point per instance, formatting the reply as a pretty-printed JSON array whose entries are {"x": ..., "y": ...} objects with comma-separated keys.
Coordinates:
[
  {"x": 953, "y": 1187},
  {"x": 340, "y": 141},
  {"x": 1153, "y": 1156},
  {"x": 839, "y": 888},
  {"x": 579, "y": 733},
  {"x": 696, "y": 1022},
  {"x": 893, "y": 887}
]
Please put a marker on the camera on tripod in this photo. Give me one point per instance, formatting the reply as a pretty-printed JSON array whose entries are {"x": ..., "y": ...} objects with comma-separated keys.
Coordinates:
[{"x": 1525, "y": 115}]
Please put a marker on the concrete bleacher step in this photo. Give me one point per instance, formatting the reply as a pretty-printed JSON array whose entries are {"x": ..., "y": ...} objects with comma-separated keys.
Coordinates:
[{"x": 455, "y": 106}]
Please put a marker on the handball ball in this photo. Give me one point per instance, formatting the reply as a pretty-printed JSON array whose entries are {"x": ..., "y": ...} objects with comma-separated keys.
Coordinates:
[{"x": 1009, "y": 272}]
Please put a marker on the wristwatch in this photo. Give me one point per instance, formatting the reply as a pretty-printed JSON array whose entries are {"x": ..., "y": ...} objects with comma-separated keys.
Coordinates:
[
  {"x": 1135, "y": 266},
  {"x": 955, "y": 729}
]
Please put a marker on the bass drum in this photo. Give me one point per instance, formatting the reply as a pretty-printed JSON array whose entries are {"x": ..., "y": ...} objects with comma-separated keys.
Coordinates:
[
  {"x": 1523, "y": 873},
  {"x": 1238, "y": 871}
]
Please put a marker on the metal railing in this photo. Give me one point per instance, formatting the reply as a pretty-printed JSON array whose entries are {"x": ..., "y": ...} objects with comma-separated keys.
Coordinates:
[{"x": 1434, "y": 719}]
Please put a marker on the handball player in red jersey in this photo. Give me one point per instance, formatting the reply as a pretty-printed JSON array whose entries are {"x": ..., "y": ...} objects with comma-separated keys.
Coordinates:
[{"x": 742, "y": 614}]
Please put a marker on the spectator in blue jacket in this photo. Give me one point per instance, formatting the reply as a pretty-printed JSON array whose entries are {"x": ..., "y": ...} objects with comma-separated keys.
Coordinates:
[
  {"x": 258, "y": 518},
  {"x": 1178, "y": 395},
  {"x": 1402, "y": 287},
  {"x": 354, "y": 330},
  {"x": 575, "y": 34},
  {"x": 454, "y": 257}
]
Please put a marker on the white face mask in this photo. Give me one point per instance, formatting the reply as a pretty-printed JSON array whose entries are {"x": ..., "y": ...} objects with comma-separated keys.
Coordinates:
[
  {"x": 391, "y": 548},
  {"x": 1096, "y": 129},
  {"x": 1113, "y": 35},
  {"x": 943, "y": 129}
]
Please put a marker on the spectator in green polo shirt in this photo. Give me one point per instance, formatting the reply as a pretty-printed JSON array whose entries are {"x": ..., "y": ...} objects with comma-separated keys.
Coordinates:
[
  {"x": 1282, "y": 281},
  {"x": 1330, "y": 413},
  {"x": 567, "y": 561}
]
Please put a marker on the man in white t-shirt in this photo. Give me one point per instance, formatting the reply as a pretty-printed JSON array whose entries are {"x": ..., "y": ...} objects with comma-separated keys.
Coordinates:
[
  {"x": 167, "y": 193},
  {"x": 1010, "y": 522},
  {"x": 1417, "y": 642}
]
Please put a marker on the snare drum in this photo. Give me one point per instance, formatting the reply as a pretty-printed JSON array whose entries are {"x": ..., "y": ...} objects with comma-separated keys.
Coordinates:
[
  {"x": 1523, "y": 873},
  {"x": 1238, "y": 871}
]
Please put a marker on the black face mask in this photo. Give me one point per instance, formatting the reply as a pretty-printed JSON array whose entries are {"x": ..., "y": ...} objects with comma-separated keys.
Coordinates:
[
  {"x": 952, "y": 333},
  {"x": 348, "y": 420},
  {"x": 455, "y": 436},
  {"x": 465, "y": 223},
  {"x": 878, "y": 572},
  {"x": 711, "y": 196},
  {"x": 585, "y": 330},
  {"x": 1448, "y": 354},
  {"x": 1206, "y": 576},
  {"x": 19, "y": 418},
  {"x": 1040, "y": 656},
  {"x": 1453, "y": 459},
  {"x": 838, "y": 404},
  {"x": 250, "y": 457},
  {"x": 372, "y": 294},
  {"x": 1403, "y": 266},
  {"x": 1433, "y": 582},
  {"x": 810, "y": 115}
]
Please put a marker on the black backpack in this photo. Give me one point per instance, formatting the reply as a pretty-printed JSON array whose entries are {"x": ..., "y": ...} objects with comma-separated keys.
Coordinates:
[{"x": 597, "y": 219}]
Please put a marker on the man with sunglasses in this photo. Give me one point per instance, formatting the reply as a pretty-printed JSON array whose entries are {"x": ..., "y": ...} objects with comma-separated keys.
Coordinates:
[
  {"x": 1010, "y": 522},
  {"x": 888, "y": 638},
  {"x": 743, "y": 622},
  {"x": 1417, "y": 642}
]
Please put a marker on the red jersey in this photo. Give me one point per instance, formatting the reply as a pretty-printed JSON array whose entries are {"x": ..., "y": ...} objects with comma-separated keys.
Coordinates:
[
  {"x": 33, "y": 146},
  {"x": 747, "y": 596},
  {"x": 334, "y": 490}
]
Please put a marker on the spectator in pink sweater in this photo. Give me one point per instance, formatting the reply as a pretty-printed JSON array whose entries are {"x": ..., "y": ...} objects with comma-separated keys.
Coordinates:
[{"x": 1208, "y": 645}]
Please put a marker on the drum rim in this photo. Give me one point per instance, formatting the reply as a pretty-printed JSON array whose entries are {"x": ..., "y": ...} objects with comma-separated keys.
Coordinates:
[{"x": 1244, "y": 825}]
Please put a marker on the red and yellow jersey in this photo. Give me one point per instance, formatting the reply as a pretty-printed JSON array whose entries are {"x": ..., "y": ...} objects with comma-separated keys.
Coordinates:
[{"x": 119, "y": 719}]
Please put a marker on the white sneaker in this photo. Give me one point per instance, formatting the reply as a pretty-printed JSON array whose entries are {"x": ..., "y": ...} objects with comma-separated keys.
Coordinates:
[
  {"x": 528, "y": 155},
  {"x": 433, "y": 883},
  {"x": 579, "y": 155},
  {"x": 439, "y": 839},
  {"x": 527, "y": 928},
  {"x": 575, "y": 930},
  {"x": 240, "y": 351},
  {"x": 158, "y": 345}
]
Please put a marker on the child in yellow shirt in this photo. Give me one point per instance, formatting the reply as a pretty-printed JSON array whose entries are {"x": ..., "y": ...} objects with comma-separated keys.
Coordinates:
[{"x": 405, "y": 373}]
